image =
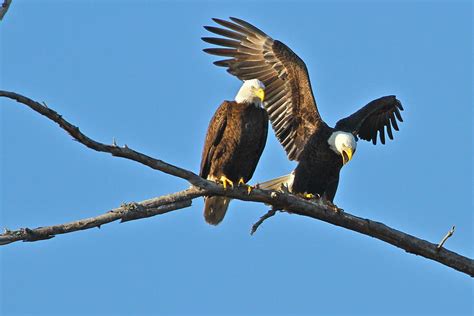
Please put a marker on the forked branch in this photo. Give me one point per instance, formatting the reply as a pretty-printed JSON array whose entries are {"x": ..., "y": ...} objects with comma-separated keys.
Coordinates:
[{"x": 200, "y": 187}]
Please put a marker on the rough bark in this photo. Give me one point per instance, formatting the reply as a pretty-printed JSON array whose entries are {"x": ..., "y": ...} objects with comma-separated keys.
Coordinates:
[{"x": 200, "y": 187}]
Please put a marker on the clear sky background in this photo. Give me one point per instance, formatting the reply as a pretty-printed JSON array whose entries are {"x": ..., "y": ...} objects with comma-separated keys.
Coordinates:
[{"x": 135, "y": 71}]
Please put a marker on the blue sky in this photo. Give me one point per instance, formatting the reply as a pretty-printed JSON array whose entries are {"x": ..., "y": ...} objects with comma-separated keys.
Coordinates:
[{"x": 135, "y": 71}]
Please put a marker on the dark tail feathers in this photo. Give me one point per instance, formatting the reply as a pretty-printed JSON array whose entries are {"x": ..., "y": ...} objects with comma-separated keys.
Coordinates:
[{"x": 215, "y": 208}]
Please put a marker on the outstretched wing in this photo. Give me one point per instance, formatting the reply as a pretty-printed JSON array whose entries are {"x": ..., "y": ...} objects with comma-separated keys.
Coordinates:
[
  {"x": 215, "y": 131},
  {"x": 289, "y": 98},
  {"x": 374, "y": 118}
]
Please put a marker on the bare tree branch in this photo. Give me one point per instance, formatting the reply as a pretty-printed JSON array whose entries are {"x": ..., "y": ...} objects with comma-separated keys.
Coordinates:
[
  {"x": 4, "y": 8},
  {"x": 124, "y": 152},
  {"x": 126, "y": 212},
  {"x": 278, "y": 200}
]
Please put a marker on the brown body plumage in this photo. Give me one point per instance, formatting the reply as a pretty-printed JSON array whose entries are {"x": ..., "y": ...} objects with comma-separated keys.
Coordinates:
[
  {"x": 292, "y": 108},
  {"x": 235, "y": 140}
]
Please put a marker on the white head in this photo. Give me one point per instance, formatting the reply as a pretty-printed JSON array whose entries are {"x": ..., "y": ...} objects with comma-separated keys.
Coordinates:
[
  {"x": 343, "y": 144},
  {"x": 252, "y": 91}
]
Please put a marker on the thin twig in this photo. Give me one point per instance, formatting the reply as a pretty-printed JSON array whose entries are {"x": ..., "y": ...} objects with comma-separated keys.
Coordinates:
[
  {"x": 264, "y": 217},
  {"x": 4, "y": 8},
  {"x": 446, "y": 237},
  {"x": 278, "y": 200}
]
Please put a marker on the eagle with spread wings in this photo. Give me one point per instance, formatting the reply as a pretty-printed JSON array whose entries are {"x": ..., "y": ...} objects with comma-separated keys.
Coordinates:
[{"x": 320, "y": 150}]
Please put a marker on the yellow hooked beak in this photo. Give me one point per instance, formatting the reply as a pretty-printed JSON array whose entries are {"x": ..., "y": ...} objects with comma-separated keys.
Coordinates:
[
  {"x": 346, "y": 155},
  {"x": 261, "y": 94}
]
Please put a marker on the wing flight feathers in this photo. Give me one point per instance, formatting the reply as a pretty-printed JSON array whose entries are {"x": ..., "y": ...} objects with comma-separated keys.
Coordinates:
[
  {"x": 252, "y": 54},
  {"x": 373, "y": 119}
]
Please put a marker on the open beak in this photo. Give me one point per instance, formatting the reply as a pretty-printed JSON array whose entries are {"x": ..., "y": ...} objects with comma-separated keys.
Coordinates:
[
  {"x": 261, "y": 94},
  {"x": 346, "y": 155}
]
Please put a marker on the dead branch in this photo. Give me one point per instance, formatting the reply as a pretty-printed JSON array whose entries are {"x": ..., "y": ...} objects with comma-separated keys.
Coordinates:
[
  {"x": 201, "y": 187},
  {"x": 124, "y": 152},
  {"x": 126, "y": 212},
  {"x": 4, "y": 8}
]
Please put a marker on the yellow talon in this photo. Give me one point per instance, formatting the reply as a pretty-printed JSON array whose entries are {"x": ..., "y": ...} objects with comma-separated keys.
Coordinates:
[
  {"x": 226, "y": 181},
  {"x": 249, "y": 189},
  {"x": 241, "y": 181},
  {"x": 308, "y": 196}
]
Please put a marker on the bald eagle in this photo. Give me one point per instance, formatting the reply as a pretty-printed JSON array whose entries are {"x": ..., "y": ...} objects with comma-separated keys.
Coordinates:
[
  {"x": 319, "y": 149},
  {"x": 235, "y": 139}
]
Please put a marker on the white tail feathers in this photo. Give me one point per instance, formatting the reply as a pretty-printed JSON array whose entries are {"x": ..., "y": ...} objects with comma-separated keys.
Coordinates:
[{"x": 276, "y": 184}]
